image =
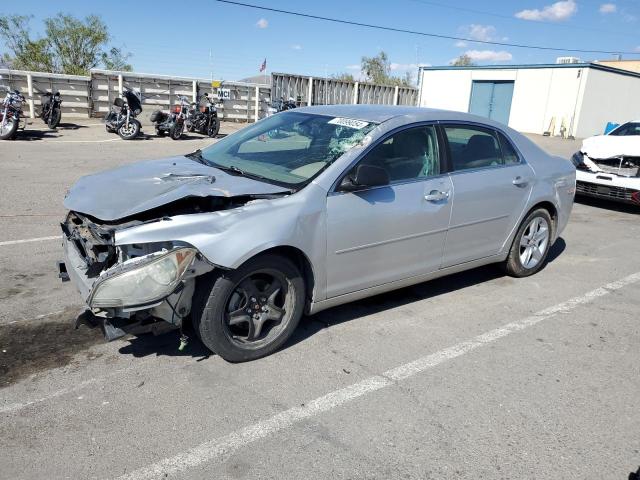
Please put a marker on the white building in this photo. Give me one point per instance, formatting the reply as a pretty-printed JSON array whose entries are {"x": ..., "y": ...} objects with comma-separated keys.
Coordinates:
[{"x": 573, "y": 99}]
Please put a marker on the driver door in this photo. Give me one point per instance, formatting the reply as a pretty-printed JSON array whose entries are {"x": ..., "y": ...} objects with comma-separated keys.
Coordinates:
[{"x": 382, "y": 234}]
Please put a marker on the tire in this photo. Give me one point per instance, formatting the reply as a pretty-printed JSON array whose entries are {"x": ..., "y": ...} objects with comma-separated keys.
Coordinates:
[
  {"x": 132, "y": 132},
  {"x": 10, "y": 130},
  {"x": 54, "y": 118},
  {"x": 227, "y": 321},
  {"x": 175, "y": 132},
  {"x": 531, "y": 245},
  {"x": 213, "y": 127}
]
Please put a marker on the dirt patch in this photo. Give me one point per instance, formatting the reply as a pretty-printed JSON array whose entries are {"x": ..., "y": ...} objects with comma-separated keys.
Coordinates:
[{"x": 32, "y": 346}]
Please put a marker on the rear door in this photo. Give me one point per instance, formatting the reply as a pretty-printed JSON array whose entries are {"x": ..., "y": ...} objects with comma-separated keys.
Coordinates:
[{"x": 491, "y": 185}]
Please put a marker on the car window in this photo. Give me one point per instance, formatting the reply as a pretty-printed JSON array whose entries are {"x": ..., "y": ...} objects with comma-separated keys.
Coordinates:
[
  {"x": 627, "y": 129},
  {"x": 472, "y": 147},
  {"x": 508, "y": 152},
  {"x": 289, "y": 148},
  {"x": 407, "y": 155}
]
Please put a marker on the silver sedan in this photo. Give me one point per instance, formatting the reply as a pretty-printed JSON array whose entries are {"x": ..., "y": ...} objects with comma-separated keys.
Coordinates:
[{"x": 303, "y": 211}]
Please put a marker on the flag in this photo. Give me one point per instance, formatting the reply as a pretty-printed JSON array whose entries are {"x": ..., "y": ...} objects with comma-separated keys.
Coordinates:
[{"x": 263, "y": 67}]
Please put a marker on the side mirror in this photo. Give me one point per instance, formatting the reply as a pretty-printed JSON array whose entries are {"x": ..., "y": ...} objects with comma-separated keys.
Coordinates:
[{"x": 365, "y": 176}]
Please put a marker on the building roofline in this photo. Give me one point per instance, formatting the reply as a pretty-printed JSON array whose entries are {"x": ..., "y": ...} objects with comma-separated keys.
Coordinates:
[{"x": 595, "y": 66}]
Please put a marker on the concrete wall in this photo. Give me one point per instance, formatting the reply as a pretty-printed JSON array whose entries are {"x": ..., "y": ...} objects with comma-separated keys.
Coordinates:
[
  {"x": 608, "y": 97},
  {"x": 90, "y": 96}
]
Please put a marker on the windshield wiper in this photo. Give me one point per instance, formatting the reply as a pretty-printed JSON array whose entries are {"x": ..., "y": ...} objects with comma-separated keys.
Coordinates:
[{"x": 197, "y": 156}]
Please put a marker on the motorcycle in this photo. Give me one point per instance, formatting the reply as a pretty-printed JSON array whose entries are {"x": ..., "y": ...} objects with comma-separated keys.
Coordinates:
[
  {"x": 204, "y": 119},
  {"x": 280, "y": 106},
  {"x": 10, "y": 114},
  {"x": 171, "y": 123},
  {"x": 51, "y": 109},
  {"x": 122, "y": 117}
]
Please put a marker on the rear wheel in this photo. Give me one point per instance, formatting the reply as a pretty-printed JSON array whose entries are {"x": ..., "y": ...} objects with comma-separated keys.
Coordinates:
[
  {"x": 9, "y": 129},
  {"x": 250, "y": 312},
  {"x": 531, "y": 245}
]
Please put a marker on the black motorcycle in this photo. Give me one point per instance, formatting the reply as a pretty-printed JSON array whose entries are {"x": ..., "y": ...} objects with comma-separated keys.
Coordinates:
[
  {"x": 10, "y": 114},
  {"x": 171, "y": 123},
  {"x": 203, "y": 119},
  {"x": 51, "y": 109},
  {"x": 122, "y": 117}
]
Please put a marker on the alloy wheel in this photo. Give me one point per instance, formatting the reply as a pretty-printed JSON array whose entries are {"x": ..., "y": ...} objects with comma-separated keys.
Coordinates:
[
  {"x": 259, "y": 308},
  {"x": 534, "y": 242}
]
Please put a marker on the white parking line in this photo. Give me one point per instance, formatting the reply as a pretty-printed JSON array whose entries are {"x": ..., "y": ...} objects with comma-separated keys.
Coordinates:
[
  {"x": 227, "y": 445},
  {"x": 81, "y": 141},
  {"x": 29, "y": 240}
]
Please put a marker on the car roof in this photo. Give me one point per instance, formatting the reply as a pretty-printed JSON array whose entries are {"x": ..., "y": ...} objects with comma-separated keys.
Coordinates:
[{"x": 382, "y": 113}]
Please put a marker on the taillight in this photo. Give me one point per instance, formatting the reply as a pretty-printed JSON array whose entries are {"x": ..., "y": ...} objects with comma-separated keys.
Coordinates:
[
  {"x": 635, "y": 197},
  {"x": 177, "y": 109}
]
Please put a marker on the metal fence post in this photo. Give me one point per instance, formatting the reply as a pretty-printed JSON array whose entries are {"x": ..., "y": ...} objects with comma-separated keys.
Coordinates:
[
  {"x": 356, "y": 87},
  {"x": 395, "y": 96},
  {"x": 195, "y": 91},
  {"x": 255, "y": 104},
  {"x": 310, "y": 99},
  {"x": 32, "y": 112}
]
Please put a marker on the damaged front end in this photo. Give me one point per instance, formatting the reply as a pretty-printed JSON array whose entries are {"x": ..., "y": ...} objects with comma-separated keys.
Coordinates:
[
  {"x": 127, "y": 288},
  {"x": 614, "y": 178}
]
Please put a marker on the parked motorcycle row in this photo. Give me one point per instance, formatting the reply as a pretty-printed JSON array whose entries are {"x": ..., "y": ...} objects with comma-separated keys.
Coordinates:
[
  {"x": 200, "y": 117},
  {"x": 12, "y": 116}
]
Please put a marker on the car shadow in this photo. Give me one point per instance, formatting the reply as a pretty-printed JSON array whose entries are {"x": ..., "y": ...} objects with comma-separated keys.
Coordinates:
[
  {"x": 605, "y": 204},
  {"x": 398, "y": 298},
  {"x": 167, "y": 343}
]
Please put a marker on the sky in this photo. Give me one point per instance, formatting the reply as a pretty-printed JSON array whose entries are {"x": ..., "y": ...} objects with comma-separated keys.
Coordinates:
[{"x": 230, "y": 42}]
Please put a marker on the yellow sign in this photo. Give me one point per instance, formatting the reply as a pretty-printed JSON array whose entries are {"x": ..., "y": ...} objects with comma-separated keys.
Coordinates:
[{"x": 216, "y": 83}]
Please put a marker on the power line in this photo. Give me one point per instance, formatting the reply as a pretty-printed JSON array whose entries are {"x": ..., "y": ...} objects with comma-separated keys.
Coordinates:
[
  {"x": 513, "y": 18},
  {"x": 423, "y": 34}
]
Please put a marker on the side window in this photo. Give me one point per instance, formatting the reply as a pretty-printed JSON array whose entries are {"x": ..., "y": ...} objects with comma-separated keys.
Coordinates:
[
  {"x": 472, "y": 147},
  {"x": 508, "y": 152},
  {"x": 407, "y": 155}
]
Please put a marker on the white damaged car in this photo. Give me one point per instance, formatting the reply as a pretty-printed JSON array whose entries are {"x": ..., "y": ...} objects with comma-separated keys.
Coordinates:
[{"x": 608, "y": 166}]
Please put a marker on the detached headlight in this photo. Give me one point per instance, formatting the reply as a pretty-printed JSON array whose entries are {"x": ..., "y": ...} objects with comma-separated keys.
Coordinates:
[{"x": 142, "y": 281}]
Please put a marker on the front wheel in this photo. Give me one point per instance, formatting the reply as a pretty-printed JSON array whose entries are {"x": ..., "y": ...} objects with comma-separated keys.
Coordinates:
[
  {"x": 9, "y": 129},
  {"x": 54, "y": 118},
  {"x": 250, "y": 312},
  {"x": 213, "y": 127},
  {"x": 175, "y": 132},
  {"x": 531, "y": 245},
  {"x": 130, "y": 132}
]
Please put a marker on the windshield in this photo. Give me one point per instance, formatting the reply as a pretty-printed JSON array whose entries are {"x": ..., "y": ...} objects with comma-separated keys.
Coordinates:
[
  {"x": 289, "y": 148},
  {"x": 631, "y": 128}
]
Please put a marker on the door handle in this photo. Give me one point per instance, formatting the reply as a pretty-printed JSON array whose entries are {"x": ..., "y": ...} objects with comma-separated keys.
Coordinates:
[
  {"x": 520, "y": 182},
  {"x": 436, "y": 196}
]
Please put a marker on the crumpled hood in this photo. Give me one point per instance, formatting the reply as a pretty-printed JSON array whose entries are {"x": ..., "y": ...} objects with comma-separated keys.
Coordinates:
[
  {"x": 608, "y": 146},
  {"x": 142, "y": 186}
]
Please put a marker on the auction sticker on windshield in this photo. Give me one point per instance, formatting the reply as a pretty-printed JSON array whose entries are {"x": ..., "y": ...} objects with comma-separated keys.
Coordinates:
[{"x": 348, "y": 122}]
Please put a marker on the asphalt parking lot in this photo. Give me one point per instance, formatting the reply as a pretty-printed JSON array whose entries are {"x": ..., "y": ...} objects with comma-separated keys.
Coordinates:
[{"x": 473, "y": 376}]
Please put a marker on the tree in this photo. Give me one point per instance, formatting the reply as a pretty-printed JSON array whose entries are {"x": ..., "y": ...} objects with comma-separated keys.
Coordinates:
[
  {"x": 28, "y": 54},
  {"x": 378, "y": 70},
  {"x": 463, "y": 60},
  {"x": 344, "y": 77},
  {"x": 116, "y": 60},
  {"x": 71, "y": 45}
]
